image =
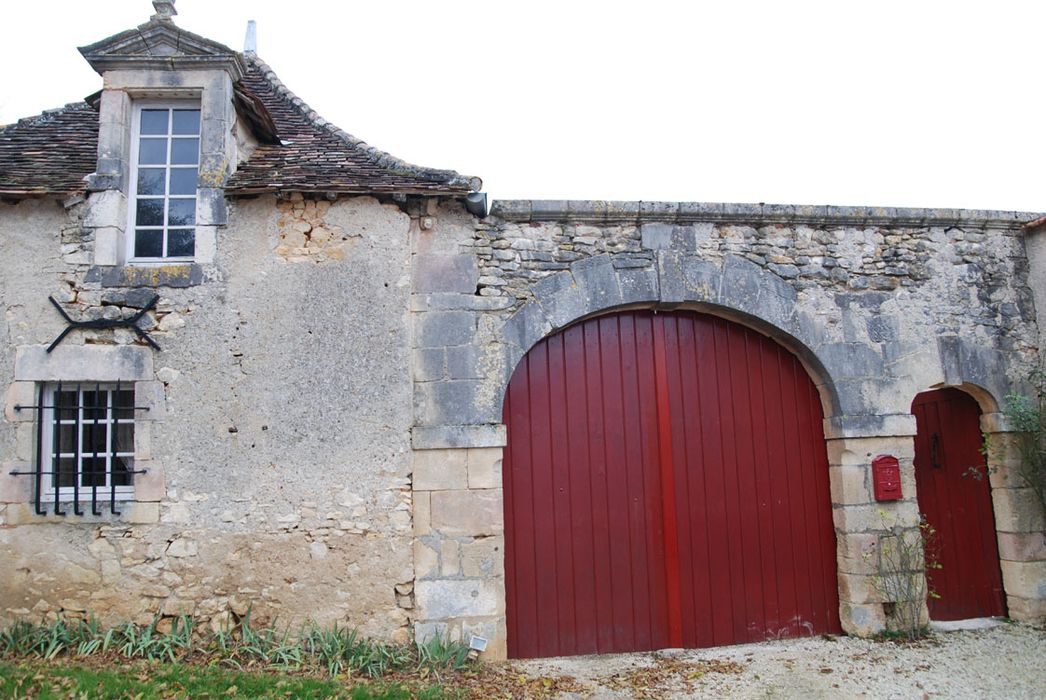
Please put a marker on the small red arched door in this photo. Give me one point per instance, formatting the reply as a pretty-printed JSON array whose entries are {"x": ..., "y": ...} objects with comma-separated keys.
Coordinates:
[
  {"x": 666, "y": 485},
  {"x": 955, "y": 497}
]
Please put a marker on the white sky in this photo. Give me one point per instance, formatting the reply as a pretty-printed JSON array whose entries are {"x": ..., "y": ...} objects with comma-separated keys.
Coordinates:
[{"x": 916, "y": 103}]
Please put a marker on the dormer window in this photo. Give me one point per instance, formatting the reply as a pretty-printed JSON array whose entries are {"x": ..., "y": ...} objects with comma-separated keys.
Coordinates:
[{"x": 165, "y": 161}]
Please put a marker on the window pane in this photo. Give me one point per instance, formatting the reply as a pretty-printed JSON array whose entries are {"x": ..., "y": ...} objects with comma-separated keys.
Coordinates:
[
  {"x": 65, "y": 405},
  {"x": 185, "y": 151},
  {"x": 123, "y": 404},
  {"x": 149, "y": 212},
  {"x": 152, "y": 152},
  {"x": 93, "y": 438},
  {"x": 93, "y": 471},
  {"x": 148, "y": 244},
  {"x": 94, "y": 405},
  {"x": 123, "y": 437},
  {"x": 154, "y": 121},
  {"x": 150, "y": 180},
  {"x": 122, "y": 467},
  {"x": 183, "y": 181},
  {"x": 181, "y": 212},
  {"x": 66, "y": 438},
  {"x": 66, "y": 475},
  {"x": 186, "y": 121},
  {"x": 181, "y": 243}
]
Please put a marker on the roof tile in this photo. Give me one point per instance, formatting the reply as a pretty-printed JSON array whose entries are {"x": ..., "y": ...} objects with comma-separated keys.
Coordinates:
[
  {"x": 53, "y": 152},
  {"x": 50, "y": 153}
]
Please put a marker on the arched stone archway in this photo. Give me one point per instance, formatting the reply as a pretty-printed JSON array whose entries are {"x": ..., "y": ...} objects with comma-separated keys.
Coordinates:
[{"x": 666, "y": 485}]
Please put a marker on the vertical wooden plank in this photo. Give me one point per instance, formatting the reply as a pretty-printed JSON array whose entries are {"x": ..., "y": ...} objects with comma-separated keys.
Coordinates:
[
  {"x": 520, "y": 546},
  {"x": 647, "y": 430},
  {"x": 513, "y": 576},
  {"x": 767, "y": 455},
  {"x": 581, "y": 498},
  {"x": 620, "y": 543},
  {"x": 601, "y": 536},
  {"x": 561, "y": 493},
  {"x": 800, "y": 486},
  {"x": 818, "y": 502},
  {"x": 666, "y": 469},
  {"x": 542, "y": 492},
  {"x": 636, "y": 436},
  {"x": 744, "y": 346},
  {"x": 692, "y": 499},
  {"x": 715, "y": 507}
]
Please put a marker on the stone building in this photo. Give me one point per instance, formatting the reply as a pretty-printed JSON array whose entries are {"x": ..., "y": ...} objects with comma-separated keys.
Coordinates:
[{"x": 250, "y": 360}]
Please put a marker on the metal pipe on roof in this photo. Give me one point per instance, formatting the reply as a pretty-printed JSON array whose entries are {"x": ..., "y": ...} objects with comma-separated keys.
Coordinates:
[
  {"x": 476, "y": 204},
  {"x": 250, "y": 41}
]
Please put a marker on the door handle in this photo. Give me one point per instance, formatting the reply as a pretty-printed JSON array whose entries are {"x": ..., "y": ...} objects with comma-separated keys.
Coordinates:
[{"x": 934, "y": 446}]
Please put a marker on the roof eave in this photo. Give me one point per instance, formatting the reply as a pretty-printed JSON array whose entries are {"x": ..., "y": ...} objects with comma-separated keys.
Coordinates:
[{"x": 360, "y": 191}]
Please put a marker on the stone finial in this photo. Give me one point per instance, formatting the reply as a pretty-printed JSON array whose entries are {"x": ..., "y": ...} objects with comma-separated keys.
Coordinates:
[{"x": 164, "y": 10}]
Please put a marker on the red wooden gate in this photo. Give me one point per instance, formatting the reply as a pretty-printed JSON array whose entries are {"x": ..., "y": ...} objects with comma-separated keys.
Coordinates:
[
  {"x": 954, "y": 494},
  {"x": 666, "y": 485}
]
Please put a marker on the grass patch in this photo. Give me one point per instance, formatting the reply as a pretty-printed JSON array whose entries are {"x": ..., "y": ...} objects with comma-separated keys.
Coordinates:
[{"x": 147, "y": 680}]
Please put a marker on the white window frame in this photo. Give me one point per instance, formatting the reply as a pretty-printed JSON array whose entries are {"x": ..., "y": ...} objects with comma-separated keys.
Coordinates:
[
  {"x": 49, "y": 460},
  {"x": 132, "y": 197}
]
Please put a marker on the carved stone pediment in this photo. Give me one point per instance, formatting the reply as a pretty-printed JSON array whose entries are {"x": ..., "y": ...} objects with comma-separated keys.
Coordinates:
[{"x": 160, "y": 45}]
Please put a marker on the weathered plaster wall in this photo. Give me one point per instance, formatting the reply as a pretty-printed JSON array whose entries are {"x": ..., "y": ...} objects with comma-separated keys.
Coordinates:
[
  {"x": 33, "y": 234},
  {"x": 325, "y": 433},
  {"x": 282, "y": 437},
  {"x": 879, "y": 304}
]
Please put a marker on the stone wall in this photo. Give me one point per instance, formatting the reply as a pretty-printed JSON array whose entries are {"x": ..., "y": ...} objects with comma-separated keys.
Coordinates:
[
  {"x": 879, "y": 305},
  {"x": 324, "y": 434},
  {"x": 278, "y": 448}
]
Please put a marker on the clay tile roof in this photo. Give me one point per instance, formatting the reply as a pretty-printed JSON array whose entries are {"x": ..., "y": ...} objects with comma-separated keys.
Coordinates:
[
  {"x": 51, "y": 153},
  {"x": 311, "y": 154},
  {"x": 1034, "y": 225}
]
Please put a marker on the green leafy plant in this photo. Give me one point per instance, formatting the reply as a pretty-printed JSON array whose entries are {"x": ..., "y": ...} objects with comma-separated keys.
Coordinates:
[
  {"x": 336, "y": 650},
  {"x": 438, "y": 654},
  {"x": 1027, "y": 415}
]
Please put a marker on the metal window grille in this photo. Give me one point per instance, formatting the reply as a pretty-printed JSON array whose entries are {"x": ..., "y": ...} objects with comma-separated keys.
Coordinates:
[{"x": 85, "y": 446}]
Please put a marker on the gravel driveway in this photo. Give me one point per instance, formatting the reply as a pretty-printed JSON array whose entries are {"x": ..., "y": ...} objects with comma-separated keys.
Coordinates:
[{"x": 1005, "y": 661}]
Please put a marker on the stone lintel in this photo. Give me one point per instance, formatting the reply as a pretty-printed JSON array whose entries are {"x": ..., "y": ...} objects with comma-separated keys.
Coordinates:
[
  {"x": 866, "y": 426},
  {"x": 84, "y": 363}
]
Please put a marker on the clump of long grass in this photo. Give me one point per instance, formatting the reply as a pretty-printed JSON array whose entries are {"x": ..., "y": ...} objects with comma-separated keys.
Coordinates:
[{"x": 335, "y": 650}]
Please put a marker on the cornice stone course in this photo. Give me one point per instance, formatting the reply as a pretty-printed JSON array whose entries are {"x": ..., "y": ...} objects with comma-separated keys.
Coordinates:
[{"x": 636, "y": 213}]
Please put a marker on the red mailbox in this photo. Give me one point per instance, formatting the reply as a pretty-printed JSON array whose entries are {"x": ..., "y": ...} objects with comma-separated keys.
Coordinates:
[{"x": 886, "y": 477}]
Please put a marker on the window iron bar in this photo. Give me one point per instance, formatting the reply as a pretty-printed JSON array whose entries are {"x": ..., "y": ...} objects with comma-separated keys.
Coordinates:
[
  {"x": 20, "y": 407},
  {"x": 39, "y": 450},
  {"x": 112, "y": 475},
  {"x": 16, "y": 472},
  {"x": 94, "y": 456},
  {"x": 57, "y": 464},
  {"x": 78, "y": 436},
  {"x": 106, "y": 323}
]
